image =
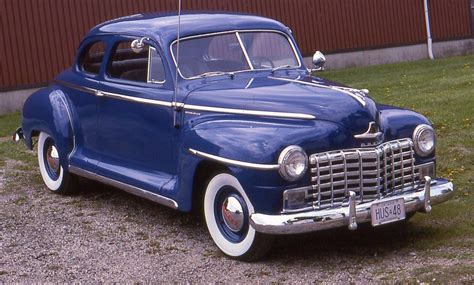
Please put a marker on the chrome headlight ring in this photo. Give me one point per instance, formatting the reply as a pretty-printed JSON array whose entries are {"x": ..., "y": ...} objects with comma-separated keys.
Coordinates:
[
  {"x": 293, "y": 162},
  {"x": 424, "y": 140}
]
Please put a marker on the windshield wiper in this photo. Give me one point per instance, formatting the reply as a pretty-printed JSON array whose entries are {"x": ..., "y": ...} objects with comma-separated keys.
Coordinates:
[
  {"x": 216, "y": 73},
  {"x": 281, "y": 67}
]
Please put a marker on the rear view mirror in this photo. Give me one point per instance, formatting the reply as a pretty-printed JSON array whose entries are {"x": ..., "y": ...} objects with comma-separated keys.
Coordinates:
[{"x": 319, "y": 60}]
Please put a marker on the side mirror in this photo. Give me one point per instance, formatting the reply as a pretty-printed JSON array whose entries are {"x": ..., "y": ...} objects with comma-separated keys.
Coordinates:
[
  {"x": 319, "y": 60},
  {"x": 138, "y": 45}
]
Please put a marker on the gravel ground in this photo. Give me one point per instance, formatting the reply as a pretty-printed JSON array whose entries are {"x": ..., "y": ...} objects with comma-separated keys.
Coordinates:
[{"x": 103, "y": 234}]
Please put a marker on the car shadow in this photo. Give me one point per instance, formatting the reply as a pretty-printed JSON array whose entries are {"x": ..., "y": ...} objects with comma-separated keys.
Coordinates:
[{"x": 366, "y": 241}]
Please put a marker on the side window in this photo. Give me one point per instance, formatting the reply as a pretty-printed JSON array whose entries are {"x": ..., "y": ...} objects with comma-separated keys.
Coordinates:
[
  {"x": 143, "y": 66},
  {"x": 91, "y": 58},
  {"x": 156, "y": 71}
]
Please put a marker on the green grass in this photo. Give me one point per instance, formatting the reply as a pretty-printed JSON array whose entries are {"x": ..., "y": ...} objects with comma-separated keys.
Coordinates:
[
  {"x": 9, "y": 123},
  {"x": 442, "y": 90}
]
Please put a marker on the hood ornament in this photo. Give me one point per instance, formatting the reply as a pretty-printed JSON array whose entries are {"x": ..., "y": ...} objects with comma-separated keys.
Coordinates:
[{"x": 373, "y": 132}]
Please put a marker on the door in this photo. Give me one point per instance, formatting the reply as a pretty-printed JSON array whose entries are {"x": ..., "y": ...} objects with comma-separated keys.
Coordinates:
[
  {"x": 137, "y": 137},
  {"x": 82, "y": 82}
]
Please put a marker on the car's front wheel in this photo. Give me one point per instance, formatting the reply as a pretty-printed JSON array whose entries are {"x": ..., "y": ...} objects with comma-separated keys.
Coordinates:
[
  {"x": 227, "y": 211},
  {"x": 54, "y": 176}
]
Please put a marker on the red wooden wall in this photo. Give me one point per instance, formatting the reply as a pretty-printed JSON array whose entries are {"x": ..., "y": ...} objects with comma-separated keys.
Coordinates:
[{"x": 38, "y": 38}]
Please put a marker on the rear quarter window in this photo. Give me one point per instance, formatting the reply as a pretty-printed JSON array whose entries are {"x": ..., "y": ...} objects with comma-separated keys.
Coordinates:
[{"x": 92, "y": 57}]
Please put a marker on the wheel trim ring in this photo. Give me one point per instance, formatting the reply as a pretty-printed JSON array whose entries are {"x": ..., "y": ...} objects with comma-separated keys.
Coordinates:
[
  {"x": 233, "y": 214},
  {"x": 51, "y": 159},
  {"x": 230, "y": 234}
]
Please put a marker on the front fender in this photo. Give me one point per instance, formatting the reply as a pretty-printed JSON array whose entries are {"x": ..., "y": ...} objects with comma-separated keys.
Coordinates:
[
  {"x": 400, "y": 123},
  {"x": 260, "y": 142},
  {"x": 48, "y": 110}
]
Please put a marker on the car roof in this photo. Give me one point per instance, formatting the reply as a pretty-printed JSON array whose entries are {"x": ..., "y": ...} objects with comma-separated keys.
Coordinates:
[{"x": 164, "y": 27}]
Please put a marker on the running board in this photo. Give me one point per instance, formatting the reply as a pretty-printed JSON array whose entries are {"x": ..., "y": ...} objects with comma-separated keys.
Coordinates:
[{"x": 125, "y": 187}]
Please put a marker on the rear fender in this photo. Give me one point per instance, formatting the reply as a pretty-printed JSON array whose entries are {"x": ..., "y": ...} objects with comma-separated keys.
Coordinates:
[{"x": 48, "y": 110}]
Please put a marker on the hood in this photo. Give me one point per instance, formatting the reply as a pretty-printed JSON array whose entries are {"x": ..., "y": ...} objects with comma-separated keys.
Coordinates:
[{"x": 309, "y": 95}]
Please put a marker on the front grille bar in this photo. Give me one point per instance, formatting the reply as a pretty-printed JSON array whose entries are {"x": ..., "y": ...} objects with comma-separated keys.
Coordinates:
[{"x": 371, "y": 173}]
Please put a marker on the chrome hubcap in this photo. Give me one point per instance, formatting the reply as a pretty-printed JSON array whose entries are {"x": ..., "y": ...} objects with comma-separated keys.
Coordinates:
[
  {"x": 233, "y": 214},
  {"x": 52, "y": 157}
]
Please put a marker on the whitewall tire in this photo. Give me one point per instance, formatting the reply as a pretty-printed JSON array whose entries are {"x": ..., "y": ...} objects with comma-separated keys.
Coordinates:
[
  {"x": 53, "y": 174},
  {"x": 227, "y": 211}
]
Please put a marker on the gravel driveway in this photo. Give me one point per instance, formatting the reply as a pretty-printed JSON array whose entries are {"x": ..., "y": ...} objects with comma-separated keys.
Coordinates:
[{"x": 103, "y": 234}]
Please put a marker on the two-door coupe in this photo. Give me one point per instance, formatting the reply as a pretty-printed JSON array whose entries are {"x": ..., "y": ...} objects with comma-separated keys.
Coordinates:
[{"x": 225, "y": 116}]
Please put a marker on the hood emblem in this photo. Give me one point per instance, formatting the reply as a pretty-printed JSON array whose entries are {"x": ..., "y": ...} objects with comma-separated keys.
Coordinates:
[{"x": 372, "y": 133}]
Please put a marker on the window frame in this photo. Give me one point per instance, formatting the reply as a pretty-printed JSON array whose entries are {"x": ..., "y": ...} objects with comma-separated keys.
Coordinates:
[
  {"x": 85, "y": 49},
  {"x": 236, "y": 32},
  {"x": 148, "y": 83}
]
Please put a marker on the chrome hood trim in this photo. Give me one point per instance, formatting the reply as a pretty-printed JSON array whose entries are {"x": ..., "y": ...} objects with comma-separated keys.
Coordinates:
[
  {"x": 358, "y": 95},
  {"x": 235, "y": 162}
]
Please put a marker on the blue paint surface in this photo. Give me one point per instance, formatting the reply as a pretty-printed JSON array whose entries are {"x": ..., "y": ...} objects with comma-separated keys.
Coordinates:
[{"x": 138, "y": 144}]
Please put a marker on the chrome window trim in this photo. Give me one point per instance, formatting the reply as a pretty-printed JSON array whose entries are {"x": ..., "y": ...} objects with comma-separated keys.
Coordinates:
[
  {"x": 119, "y": 80},
  {"x": 126, "y": 187},
  {"x": 233, "y": 162},
  {"x": 100, "y": 93},
  {"x": 149, "y": 64},
  {"x": 233, "y": 32},
  {"x": 245, "y": 51}
]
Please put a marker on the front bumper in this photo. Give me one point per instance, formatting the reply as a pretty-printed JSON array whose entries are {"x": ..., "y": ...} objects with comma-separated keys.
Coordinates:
[{"x": 434, "y": 192}]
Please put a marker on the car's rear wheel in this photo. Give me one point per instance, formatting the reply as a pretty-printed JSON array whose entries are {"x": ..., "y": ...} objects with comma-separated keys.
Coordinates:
[
  {"x": 227, "y": 211},
  {"x": 54, "y": 176}
]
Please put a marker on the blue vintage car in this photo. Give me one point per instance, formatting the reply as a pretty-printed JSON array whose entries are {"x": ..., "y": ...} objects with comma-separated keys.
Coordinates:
[{"x": 224, "y": 117}]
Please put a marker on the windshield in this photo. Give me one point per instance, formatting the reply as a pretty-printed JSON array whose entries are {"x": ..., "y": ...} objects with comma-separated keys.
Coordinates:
[{"x": 234, "y": 52}]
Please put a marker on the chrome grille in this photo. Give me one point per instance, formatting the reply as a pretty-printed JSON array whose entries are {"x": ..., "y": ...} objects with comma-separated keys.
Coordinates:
[{"x": 372, "y": 173}]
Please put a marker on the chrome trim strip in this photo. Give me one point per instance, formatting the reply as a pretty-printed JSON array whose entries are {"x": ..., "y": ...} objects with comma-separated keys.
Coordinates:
[
  {"x": 136, "y": 99},
  {"x": 100, "y": 93},
  {"x": 250, "y": 112},
  {"x": 76, "y": 87},
  {"x": 235, "y": 162},
  {"x": 246, "y": 54},
  {"x": 127, "y": 188},
  {"x": 250, "y": 83},
  {"x": 230, "y": 32},
  {"x": 149, "y": 64},
  {"x": 340, "y": 89},
  {"x": 312, "y": 221}
]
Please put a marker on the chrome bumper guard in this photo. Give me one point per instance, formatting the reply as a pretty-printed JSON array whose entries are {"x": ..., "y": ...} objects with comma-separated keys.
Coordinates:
[
  {"x": 434, "y": 192},
  {"x": 18, "y": 135}
]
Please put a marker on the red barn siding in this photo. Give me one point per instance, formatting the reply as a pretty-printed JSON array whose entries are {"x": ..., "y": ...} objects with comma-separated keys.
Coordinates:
[{"x": 39, "y": 38}]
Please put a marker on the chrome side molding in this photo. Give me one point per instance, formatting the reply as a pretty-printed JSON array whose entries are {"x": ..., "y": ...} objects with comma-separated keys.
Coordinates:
[
  {"x": 235, "y": 162},
  {"x": 284, "y": 115},
  {"x": 125, "y": 187},
  {"x": 100, "y": 93}
]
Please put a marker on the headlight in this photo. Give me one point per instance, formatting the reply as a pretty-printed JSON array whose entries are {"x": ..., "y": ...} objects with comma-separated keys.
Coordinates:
[
  {"x": 424, "y": 140},
  {"x": 293, "y": 163}
]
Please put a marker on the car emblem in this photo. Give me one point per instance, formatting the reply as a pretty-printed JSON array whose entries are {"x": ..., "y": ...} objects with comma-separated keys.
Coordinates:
[{"x": 373, "y": 134}]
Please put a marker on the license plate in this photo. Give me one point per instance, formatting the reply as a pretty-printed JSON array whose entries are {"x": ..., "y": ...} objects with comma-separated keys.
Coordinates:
[{"x": 387, "y": 212}]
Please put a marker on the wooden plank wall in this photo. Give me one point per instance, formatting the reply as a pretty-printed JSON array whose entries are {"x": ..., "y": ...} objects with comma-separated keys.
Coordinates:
[{"x": 38, "y": 38}]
